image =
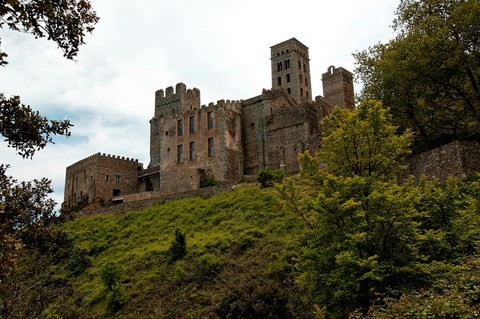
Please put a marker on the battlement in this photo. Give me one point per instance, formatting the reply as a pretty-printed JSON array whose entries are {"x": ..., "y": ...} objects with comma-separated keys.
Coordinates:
[
  {"x": 178, "y": 97},
  {"x": 222, "y": 104},
  {"x": 103, "y": 155}
]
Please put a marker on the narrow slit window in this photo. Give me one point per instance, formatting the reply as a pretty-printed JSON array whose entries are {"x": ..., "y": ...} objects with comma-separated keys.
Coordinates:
[
  {"x": 180, "y": 153},
  {"x": 180, "y": 127},
  {"x": 192, "y": 151},
  {"x": 192, "y": 124},
  {"x": 211, "y": 147},
  {"x": 210, "y": 120}
]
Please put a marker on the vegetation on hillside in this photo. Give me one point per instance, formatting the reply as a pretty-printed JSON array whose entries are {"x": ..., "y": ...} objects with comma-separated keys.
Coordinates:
[
  {"x": 374, "y": 238},
  {"x": 26, "y": 212},
  {"x": 343, "y": 238},
  {"x": 429, "y": 74}
]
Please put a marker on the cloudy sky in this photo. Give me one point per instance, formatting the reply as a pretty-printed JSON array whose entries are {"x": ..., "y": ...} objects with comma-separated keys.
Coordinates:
[{"x": 219, "y": 46}]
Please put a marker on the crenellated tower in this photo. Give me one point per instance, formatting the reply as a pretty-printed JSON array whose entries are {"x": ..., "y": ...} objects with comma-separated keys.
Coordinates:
[{"x": 291, "y": 69}]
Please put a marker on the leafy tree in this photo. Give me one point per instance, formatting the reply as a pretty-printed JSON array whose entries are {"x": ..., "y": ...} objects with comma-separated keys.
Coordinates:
[
  {"x": 363, "y": 143},
  {"x": 429, "y": 74},
  {"x": 365, "y": 231},
  {"x": 374, "y": 239},
  {"x": 26, "y": 212}
]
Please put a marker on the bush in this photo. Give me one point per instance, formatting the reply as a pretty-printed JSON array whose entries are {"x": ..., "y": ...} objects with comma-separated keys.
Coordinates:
[
  {"x": 268, "y": 177},
  {"x": 78, "y": 261},
  {"x": 110, "y": 275},
  {"x": 115, "y": 300},
  {"x": 178, "y": 247}
]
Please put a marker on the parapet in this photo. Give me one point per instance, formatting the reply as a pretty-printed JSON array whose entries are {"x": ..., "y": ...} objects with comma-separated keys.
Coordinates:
[
  {"x": 222, "y": 104},
  {"x": 169, "y": 95},
  {"x": 332, "y": 70},
  {"x": 103, "y": 155}
]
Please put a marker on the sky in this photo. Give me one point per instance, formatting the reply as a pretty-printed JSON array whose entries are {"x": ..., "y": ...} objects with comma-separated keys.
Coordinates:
[{"x": 221, "y": 47}]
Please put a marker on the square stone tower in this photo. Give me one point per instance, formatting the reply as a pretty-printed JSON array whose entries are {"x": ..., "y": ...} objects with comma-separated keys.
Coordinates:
[
  {"x": 291, "y": 69},
  {"x": 338, "y": 87}
]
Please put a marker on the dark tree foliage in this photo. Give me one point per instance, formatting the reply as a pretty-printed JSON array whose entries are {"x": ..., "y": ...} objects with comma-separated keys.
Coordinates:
[
  {"x": 26, "y": 130},
  {"x": 429, "y": 74},
  {"x": 26, "y": 213},
  {"x": 63, "y": 21}
]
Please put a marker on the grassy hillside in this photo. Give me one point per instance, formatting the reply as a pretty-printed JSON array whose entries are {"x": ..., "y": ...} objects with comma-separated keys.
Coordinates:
[{"x": 240, "y": 245}]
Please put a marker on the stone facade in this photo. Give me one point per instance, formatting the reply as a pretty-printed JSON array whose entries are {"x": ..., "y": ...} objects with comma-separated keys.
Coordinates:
[
  {"x": 456, "y": 159},
  {"x": 194, "y": 145},
  {"x": 100, "y": 178},
  {"x": 191, "y": 144}
]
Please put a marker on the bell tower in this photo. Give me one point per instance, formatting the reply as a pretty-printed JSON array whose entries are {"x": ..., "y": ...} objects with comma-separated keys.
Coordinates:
[{"x": 291, "y": 69}]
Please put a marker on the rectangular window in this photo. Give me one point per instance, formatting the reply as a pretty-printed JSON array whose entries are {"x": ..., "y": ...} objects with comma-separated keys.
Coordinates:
[
  {"x": 191, "y": 122},
  {"x": 180, "y": 153},
  {"x": 210, "y": 120},
  {"x": 180, "y": 127},
  {"x": 117, "y": 179},
  {"x": 192, "y": 151},
  {"x": 211, "y": 147},
  {"x": 107, "y": 178}
]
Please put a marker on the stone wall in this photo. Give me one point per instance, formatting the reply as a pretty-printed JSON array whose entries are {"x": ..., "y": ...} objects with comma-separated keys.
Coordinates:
[
  {"x": 147, "y": 199},
  {"x": 338, "y": 87},
  {"x": 99, "y": 178},
  {"x": 210, "y": 149},
  {"x": 456, "y": 159}
]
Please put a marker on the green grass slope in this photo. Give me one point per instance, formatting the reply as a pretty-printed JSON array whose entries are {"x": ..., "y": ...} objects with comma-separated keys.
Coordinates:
[{"x": 240, "y": 250}]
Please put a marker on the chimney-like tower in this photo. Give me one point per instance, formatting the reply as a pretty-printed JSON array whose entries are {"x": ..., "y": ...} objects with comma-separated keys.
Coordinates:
[{"x": 338, "y": 87}]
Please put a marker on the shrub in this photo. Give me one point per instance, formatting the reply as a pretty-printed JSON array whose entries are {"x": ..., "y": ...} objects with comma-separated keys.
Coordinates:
[
  {"x": 78, "y": 261},
  {"x": 178, "y": 247},
  {"x": 110, "y": 276},
  {"x": 268, "y": 177},
  {"x": 115, "y": 300}
]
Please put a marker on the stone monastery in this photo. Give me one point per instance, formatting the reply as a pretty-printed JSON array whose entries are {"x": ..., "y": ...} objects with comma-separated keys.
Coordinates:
[{"x": 194, "y": 145}]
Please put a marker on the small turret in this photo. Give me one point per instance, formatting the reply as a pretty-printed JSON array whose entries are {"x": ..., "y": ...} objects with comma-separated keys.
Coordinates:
[
  {"x": 338, "y": 87},
  {"x": 176, "y": 102}
]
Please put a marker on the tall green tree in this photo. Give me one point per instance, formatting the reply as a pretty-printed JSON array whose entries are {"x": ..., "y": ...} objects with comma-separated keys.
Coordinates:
[
  {"x": 365, "y": 231},
  {"x": 429, "y": 74}
]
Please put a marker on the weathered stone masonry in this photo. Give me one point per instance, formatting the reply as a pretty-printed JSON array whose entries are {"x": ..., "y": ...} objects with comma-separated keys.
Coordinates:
[
  {"x": 193, "y": 145},
  {"x": 100, "y": 178}
]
